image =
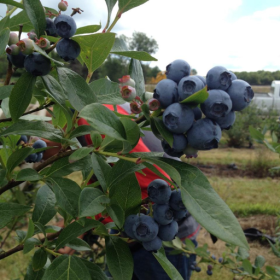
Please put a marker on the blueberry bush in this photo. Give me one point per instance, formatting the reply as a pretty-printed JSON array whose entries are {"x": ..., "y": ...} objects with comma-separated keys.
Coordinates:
[{"x": 173, "y": 114}]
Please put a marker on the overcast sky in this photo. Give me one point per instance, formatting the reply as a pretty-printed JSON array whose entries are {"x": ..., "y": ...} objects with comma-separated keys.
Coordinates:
[{"x": 242, "y": 35}]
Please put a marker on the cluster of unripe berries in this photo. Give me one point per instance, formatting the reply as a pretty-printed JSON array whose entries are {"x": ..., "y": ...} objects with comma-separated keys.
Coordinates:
[
  {"x": 190, "y": 131},
  {"x": 21, "y": 53},
  {"x": 167, "y": 210},
  {"x": 38, "y": 144},
  {"x": 128, "y": 93}
]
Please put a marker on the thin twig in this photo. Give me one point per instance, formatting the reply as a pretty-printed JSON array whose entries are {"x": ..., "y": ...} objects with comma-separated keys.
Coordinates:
[
  {"x": 20, "y": 31},
  {"x": 9, "y": 74},
  {"x": 8, "y": 233},
  {"x": 20, "y": 247},
  {"x": 30, "y": 112}
]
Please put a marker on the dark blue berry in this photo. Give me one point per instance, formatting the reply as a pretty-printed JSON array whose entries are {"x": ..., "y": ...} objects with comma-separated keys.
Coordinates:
[
  {"x": 175, "y": 201},
  {"x": 220, "y": 260},
  {"x": 168, "y": 232},
  {"x": 197, "y": 113},
  {"x": 162, "y": 214},
  {"x": 23, "y": 138},
  {"x": 37, "y": 64},
  {"x": 65, "y": 26},
  {"x": 17, "y": 60},
  {"x": 227, "y": 121},
  {"x": 159, "y": 191},
  {"x": 153, "y": 245},
  {"x": 180, "y": 143},
  {"x": 209, "y": 272},
  {"x": 177, "y": 70},
  {"x": 50, "y": 27},
  {"x": 213, "y": 257},
  {"x": 32, "y": 158},
  {"x": 68, "y": 49},
  {"x": 188, "y": 86},
  {"x": 218, "y": 78},
  {"x": 198, "y": 269}
]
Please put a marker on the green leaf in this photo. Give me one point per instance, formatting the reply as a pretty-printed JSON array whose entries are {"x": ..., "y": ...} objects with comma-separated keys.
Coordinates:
[
  {"x": 5, "y": 92},
  {"x": 67, "y": 268},
  {"x": 259, "y": 261},
  {"x": 29, "y": 244},
  {"x": 247, "y": 266},
  {"x": 34, "y": 275},
  {"x": 8, "y": 211},
  {"x": 51, "y": 38},
  {"x": 34, "y": 128},
  {"x": 117, "y": 214},
  {"x": 103, "y": 120},
  {"x": 132, "y": 131},
  {"x": 120, "y": 170},
  {"x": 36, "y": 14},
  {"x": 4, "y": 39},
  {"x": 95, "y": 48},
  {"x": 255, "y": 134},
  {"x": 39, "y": 259},
  {"x": 21, "y": 95},
  {"x": 13, "y": 3},
  {"x": 80, "y": 131},
  {"x": 107, "y": 92},
  {"x": 136, "y": 73},
  {"x": 168, "y": 267},
  {"x": 119, "y": 258},
  {"x": 17, "y": 157},
  {"x": 94, "y": 270},
  {"x": 30, "y": 230},
  {"x": 101, "y": 169},
  {"x": 59, "y": 118},
  {"x": 44, "y": 209},
  {"x": 120, "y": 48},
  {"x": 275, "y": 251},
  {"x": 67, "y": 193},
  {"x": 127, "y": 194},
  {"x": 5, "y": 107},
  {"x": 78, "y": 91},
  {"x": 197, "y": 98},
  {"x": 110, "y": 5},
  {"x": 199, "y": 198},
  {"x": 78, "y": 245},
  {"x": 79, "y": 154},
  {"x": 126, "y": 5},
  {"x": 87, "y": 29},
  {"x": 28, "y": 174},
  {"x": 4, "y": 22},
  {"x": 63, "y": 167},
  {"x": 164, "y": 132},
  {"x": 73, "y": 230},
  {"x": 92, "y": 202},
  {"x": 270, "y": 270}
]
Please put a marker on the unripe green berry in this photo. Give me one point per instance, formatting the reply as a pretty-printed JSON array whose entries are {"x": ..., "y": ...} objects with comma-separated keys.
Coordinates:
[
  {"x": 62, "y": 6},
  {"x": 32, "y": 35},
  {"x": 128, "y": 93},
  {"x": 13, "y": 50},
  {"x": 26, "y": 46},
  {"x": 127, "y": 81},
  {"x": 43, "y": 43},
  {"x": 13, "y": 38},
  {"x": 135, "y": 107}
]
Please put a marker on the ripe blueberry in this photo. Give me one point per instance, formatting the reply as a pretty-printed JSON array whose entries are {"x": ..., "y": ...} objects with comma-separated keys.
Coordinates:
[
  {"x": 188, "y": 86},
  {"x": 50, "y": 27},
  {"x": 197, "y": 113},
  {"x": 227, "y": 121},
  {"x": 180, "y": 142},
  {"x": 162, "y": 214},
  {"x": 159, "y": 191},
  {"x": 39, "y": 157},
  {"x": 145, "y": 228},
  {"x": 37, "y": 64},
  {"x": 233, "y": 76},
  {"x": 202, "y": 79},
  {"x": 178, "y": 118},
  {"x": 218, "y": 78},
  {"x": 65, "y": 26},
  {"x": 177, "y": 70},
  {"x": 166, "y": 92},
  {"x": 218, "y": 104},
  {"x": 32, "y": 158},
  {"x": 198, "y": 269},
  {"x": 168, "y": 232},
  {"x": 179, "y": 215},
  {"x": 39, "y": 144},
  {"x": 204, "y": 135},
  {"x": 154, "y": 245},
  {"x": 129, "y": 222},
  {"x": 209, "y": 272},
  {"x": 68, "y": 49},
  {"x": 17, "y": 60},
  {"x": 175, "y": 201},
  {"x": 23, "y": 138},
  {"x": 241, "y": 94}
]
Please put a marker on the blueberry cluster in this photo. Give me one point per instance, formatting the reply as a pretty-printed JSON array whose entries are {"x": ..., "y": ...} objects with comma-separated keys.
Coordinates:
[
  {"x": 36, "y": 157},
  {"x": 190, "y": 131},
  {"x": 168, "y": 208},
  {"x": 21, "y": 53}
]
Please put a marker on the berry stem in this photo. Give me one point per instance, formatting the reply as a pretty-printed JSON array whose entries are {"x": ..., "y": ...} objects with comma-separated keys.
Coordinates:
[
  {"x": 114, "y": 22},
  {"x": 52, "y": 252},
  {"x": 9, "y": 75}
]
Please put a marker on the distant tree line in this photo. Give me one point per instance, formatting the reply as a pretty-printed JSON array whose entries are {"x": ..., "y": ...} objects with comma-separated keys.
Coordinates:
[{"x": 260, "y": 77}]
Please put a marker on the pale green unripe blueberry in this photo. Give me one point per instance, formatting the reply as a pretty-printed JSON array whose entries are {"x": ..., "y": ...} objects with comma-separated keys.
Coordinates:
[
  {"x": 127, "y": 81},
  {"x": 128, "y": 93},
  {"x": 135, "y": 107},
  {"x": 13, "y": 38},
  {"x": 26, "y": 46},
  {"x": 13, "y": 50},
  {"x": 43, "y": 43},
  {"x": 62, "y": 6}
]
